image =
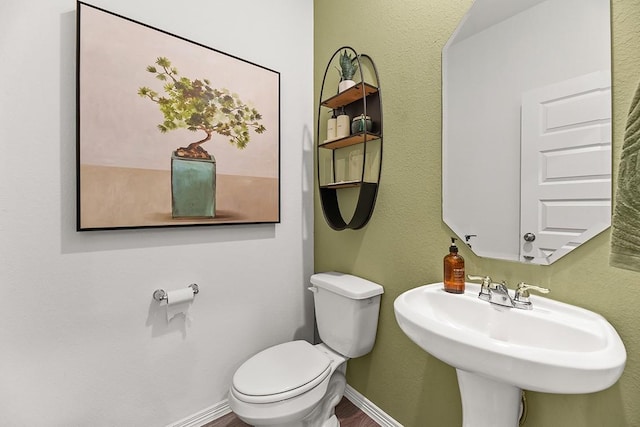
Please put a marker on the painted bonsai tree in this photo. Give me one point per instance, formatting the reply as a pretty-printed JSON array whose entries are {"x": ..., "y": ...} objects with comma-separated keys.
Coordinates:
[{"x": 196, "y": 106}]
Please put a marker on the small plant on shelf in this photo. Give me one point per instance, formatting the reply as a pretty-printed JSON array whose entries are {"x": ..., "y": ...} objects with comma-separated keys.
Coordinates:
[{"x": 348, "y": 68}]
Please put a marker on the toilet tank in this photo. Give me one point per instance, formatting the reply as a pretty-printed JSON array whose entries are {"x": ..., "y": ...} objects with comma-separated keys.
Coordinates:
[{"x": 347, "y": 310}]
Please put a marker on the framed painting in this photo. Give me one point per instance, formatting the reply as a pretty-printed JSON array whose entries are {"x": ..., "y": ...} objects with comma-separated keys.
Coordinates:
[{"x": 171, "y": 132}]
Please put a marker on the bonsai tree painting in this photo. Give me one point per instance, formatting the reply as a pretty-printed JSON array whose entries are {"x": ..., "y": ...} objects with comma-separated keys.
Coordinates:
[
  {"x": 196, "y": 106},
  {"x": 193, "y": 104}
]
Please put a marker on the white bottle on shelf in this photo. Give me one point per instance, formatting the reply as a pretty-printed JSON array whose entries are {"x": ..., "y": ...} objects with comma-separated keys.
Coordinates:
[
  {"x": 343, "y": 128},
  {"x": 332, "y": 128}
]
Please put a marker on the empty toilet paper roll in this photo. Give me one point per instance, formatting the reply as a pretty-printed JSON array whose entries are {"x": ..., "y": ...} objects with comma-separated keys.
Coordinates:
[{"x": 178, "y": 302}]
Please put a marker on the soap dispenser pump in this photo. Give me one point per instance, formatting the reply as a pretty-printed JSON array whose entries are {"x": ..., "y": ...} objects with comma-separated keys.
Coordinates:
[{"x": 454, "y": 270}]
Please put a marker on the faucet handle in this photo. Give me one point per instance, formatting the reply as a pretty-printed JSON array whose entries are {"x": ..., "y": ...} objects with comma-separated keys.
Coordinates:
[
  {"x": 486, "y": 285},
  {"x": 522, "y": 290},
  {"x": 486, "y": 280}
]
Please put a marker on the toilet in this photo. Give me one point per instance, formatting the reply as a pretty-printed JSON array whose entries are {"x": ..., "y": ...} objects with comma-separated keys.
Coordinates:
[{"x": 297, "y": 384}]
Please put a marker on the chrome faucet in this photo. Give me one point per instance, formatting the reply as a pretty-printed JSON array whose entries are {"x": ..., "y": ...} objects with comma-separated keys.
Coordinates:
[{"x": 498, "y": 293}]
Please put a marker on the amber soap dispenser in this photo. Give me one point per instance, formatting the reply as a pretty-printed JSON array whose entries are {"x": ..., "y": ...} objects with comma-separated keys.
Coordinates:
[{"x": 454, "y": 270}]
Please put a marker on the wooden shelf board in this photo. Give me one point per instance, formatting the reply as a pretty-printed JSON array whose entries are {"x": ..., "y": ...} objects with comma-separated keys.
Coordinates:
[
  {"x": 350, "y": 95},
  {"x": 357, "y": 138},
  {"x": 344, "y": 184}
]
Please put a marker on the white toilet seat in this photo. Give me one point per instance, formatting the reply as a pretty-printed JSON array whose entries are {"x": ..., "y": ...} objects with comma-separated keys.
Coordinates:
[
  {"x": 281, "y": 372},
  {"x": 287, "y": 412}
]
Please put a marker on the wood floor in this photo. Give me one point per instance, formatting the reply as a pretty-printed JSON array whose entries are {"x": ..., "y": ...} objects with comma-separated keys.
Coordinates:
[{"x": 348, "y": 414}]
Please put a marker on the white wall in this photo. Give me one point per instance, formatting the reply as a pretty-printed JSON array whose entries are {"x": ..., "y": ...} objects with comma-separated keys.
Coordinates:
[{"x": 83, "y": 343}]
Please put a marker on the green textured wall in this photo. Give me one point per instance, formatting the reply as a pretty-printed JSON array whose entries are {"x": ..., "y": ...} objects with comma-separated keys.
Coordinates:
[{"x": 403, "y": 244}]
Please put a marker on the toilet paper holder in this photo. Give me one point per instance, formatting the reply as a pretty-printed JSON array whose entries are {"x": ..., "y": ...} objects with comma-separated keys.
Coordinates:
[{"x": 161, "y": 295}]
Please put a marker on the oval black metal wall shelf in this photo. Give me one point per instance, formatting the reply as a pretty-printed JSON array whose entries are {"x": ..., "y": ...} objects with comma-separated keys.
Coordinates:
[{"x": 364, "y": 98}]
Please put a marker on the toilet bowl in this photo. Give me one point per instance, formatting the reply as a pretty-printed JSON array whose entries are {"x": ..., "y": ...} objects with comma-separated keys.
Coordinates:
[
  {"x": 293, "y": 384},
  {"x": 297, "y": 384}
]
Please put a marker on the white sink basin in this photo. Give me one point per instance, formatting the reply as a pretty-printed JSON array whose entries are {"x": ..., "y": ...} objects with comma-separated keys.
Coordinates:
[{"x": 554, "y": 348}]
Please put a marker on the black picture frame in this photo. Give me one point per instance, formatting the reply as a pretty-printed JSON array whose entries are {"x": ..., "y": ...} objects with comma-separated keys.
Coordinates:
[{"x": 142, "y": 95}]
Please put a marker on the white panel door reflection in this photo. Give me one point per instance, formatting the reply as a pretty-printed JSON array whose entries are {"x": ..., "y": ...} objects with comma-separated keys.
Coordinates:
[{"x": 565, "y": 166}]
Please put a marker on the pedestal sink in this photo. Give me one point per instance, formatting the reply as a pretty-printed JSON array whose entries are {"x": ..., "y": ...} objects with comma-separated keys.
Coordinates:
[{"x": 498, "y": 351}]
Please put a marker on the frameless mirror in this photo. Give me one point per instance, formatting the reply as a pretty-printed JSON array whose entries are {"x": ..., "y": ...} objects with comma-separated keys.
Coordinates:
[{"x": 527, "y": 127}]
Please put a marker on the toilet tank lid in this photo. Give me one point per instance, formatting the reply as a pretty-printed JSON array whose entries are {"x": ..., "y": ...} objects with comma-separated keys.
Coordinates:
[{"x": 346, "y": 285}]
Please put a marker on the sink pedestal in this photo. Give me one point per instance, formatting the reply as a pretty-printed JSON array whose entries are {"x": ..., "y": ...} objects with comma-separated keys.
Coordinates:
[{"x": 488, "y": 403}]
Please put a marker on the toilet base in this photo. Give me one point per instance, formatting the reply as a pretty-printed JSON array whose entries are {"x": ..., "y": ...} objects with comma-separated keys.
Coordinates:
[
  {"x": 323, "y": 415},
  {"x": 332, "y": 422}
]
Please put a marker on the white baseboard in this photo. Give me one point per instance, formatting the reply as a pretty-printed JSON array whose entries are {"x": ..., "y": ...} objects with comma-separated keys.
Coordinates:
[
  {"x": 205, "y": 416},
  {"x": 222, "y": 408},
  {"x": 369, "y": 408}
]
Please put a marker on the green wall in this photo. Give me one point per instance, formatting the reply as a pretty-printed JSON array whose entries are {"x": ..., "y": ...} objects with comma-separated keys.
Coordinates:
[{"x": 403, "y": 244}]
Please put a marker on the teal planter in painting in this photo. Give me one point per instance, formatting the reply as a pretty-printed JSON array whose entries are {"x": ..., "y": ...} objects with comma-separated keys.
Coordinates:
[{"x": 193, "y": 187}]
